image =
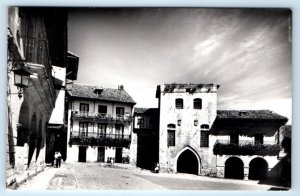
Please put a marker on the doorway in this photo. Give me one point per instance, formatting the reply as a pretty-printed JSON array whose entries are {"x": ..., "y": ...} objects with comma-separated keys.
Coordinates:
[
  {"x": 101, "y": 154},
  {"x": 258, "y": 169},
  {"x": 234, "y": 168},
  {"x": 118, "y": 155},
  {"x": 82, "y": 154},
  {"x": 187, "y": 163}
]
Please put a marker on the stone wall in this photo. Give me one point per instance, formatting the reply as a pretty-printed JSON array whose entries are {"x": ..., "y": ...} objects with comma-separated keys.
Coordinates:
[{"x": 187, "y": 134}]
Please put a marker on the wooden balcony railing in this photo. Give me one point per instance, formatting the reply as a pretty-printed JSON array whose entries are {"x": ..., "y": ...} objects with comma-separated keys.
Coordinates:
[
  {"x": 249, "y": 148},
  {"x": 244, "y": 142},
  {"x": 95, "y": 139},
  {"x": 105, "y": 118}
]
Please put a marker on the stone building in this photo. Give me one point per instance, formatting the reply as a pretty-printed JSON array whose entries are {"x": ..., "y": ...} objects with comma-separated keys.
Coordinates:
[
  {"x": 195, "y": 137},
  {"x": 187, "y": 112},
  {"x": 247, "y": 143},
  {"x": 37, "y": 42},
  {"x": 99, "y": 124}
]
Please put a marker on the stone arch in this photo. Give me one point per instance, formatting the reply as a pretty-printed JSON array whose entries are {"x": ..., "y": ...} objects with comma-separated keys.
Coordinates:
[
  {"x": 258, "y": 169},
  {"x": 234, "y": 168},
  {"x": 32, "y": 137},
  {"x": 188, "y": 161},
  {"x": 23, "y": 126}
]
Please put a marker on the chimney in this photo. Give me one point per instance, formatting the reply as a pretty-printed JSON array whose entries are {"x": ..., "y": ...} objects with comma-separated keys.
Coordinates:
[{"x": 120, "y": 87}]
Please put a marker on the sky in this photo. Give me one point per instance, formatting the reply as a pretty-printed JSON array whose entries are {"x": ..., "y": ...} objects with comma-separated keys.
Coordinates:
[{"x": 248, "y": 52}]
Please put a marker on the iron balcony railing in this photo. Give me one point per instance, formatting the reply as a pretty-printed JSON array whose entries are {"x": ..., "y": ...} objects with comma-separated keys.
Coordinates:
[
  {"x": 99, "y": 139},
  {"x": 99, "y": 117},
  {"x": 245, "y": 148}
]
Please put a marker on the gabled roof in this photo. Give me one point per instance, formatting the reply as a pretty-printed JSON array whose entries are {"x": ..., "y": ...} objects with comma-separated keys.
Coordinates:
[
  {"x": 107, "y": 94},
  {"x": 249, "y": 114}
]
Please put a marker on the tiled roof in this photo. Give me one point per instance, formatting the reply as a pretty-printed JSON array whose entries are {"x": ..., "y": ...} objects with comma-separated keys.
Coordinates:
[
  {"x": 107, "y": 94},
  {"x": 140, "y": 110},
  {"x": 249, "y": 114},
  {"x": 147, "y": 111}
]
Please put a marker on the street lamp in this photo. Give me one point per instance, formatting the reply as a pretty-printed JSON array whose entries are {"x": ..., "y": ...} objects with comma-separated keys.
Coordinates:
[
  {"x": 195, "y": 122},
  {"x": 21, "y": 77},
  {"x": 179, "y": 122}
]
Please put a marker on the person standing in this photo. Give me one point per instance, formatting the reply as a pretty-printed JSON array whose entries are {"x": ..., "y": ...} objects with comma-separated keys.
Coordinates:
[{"x": 57, "y": 157}]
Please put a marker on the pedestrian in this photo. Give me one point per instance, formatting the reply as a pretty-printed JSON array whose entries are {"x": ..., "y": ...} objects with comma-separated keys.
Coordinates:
[
  {"x": 57, "y": 157},
  {"x": 111, "y": 161},
  {"x": 156, "y": 169}
]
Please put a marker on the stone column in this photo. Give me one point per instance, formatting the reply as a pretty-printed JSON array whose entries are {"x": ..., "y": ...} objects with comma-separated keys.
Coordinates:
[{"x": 246, "y": 173}]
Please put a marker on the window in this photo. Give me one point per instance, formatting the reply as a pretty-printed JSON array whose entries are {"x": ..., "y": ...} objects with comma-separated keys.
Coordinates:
[
  {"x": 140, "y": 121},
  {"x": 258, "y": 139},
  {"x": 204, "y": 126},
  {"x": 204, "y": 135},
  {"x": 171, "y": 138},
  {"x": 101, "y": 130},
  {"x": 197, "y": 103},
  {"x": 84, "y": 107},
  {"x": 171, "y": 134},
  {"x": 120, "y": 111},
  {"x": 234, "y": 139},
  {"x": 102, "y": 109},
  {"x": 83, "y": 129},
  {"x": 204, "y": 139},
  {"x": 179, "y": 103},
  {"x": 119, "y": 131},
  {"x": 171, "y": 126}
]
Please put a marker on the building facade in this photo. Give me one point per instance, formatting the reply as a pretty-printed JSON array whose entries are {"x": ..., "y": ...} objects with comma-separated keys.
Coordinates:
[
  {"x": 196, "y": 138},
  {"x": 99, "y": 124},
  {"x": 145, "y": 138},
  {"x": 34, "y": 48}
]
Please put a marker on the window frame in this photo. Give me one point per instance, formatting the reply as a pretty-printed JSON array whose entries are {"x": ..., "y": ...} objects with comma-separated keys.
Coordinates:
[
  {"x": 118, "y": 111},
  {"x": 102, "y": 106},
  {"x": 171, "y": 137},
  {"x": 83, "y": 129},
  {"x": 258, "y": 139},
  {"x": 84, "y": 106},
  {"x": 101, "y": 131},
  {"x": 179, "y": 104},
  {"x": 140, "y": 121},
  {"x": 120, "y": 131},
  {"x": 204, "y": 135},
  {"x": 197, "y": 103}
]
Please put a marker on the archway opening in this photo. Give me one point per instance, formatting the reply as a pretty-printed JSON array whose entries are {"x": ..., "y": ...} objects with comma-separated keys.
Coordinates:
[
  {"x": 32, "y": 138},
  {"x": 187, "y": 163},
  {"x": 258, "y": 169},
  {"x": 234, "y": 168},
  {"x": 23, "y": 129},
  {"x": 39, "y": 141}
]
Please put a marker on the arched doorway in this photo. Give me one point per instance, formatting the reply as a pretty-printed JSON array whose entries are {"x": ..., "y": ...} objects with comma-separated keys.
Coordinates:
[
  {"x": 187, "y": 162},
  {"x": 258, "y": 169},
  {"x": 23, "y": 129},
  {"x": 234, "y": 168}
]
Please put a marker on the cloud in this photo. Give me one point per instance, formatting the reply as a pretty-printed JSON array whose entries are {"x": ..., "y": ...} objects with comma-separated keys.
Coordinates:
[{"x": 246, "y": 51}]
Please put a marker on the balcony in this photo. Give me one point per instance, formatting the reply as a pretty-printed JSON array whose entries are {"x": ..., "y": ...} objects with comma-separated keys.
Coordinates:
[
  {"x": 245, "y": 148},
  {"x": 102, "y": 118},
  {"x": 95, "y": 139}
]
